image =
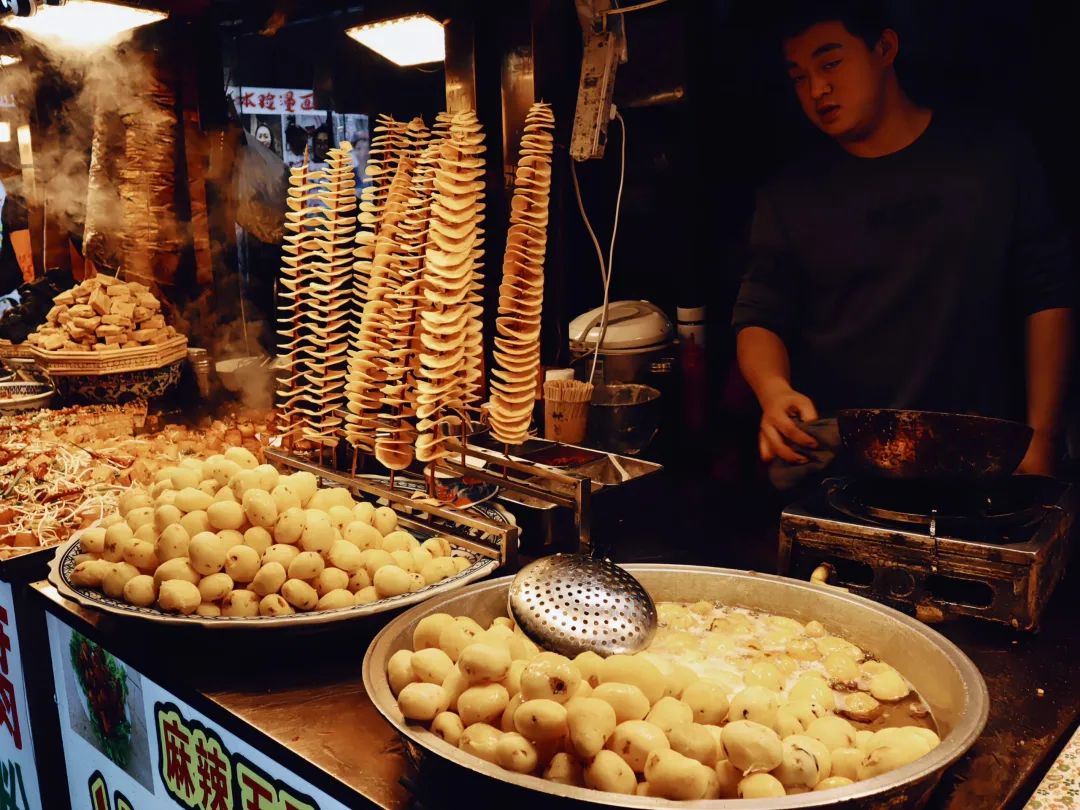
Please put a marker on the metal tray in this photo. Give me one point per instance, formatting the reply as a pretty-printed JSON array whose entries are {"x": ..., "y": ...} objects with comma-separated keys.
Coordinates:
[
  {"x": 61, "y": 565},
  {"x": 946, "y": 679}
]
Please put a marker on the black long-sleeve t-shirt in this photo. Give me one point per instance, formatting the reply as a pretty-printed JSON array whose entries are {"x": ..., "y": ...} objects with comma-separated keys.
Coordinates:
[{"x": 903, "y": 281}]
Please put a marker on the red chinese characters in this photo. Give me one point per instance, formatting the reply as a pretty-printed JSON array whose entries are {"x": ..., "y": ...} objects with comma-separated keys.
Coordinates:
[
  {"x": 176, "y": 756},
  {"x": 198, "y": 771},
  {"x": 215, "y": 777},
  {"x": 9, "y": 711},
  {"x": 259, "y": 793}
]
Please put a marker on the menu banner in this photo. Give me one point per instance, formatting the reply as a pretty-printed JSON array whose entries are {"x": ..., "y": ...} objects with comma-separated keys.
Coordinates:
[
  {"x": 18, "y": 772},
  {"x": 131, "y": 745}
]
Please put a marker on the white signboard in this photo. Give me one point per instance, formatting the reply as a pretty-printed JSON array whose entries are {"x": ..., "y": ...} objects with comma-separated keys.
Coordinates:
[
  {"x": 130, "y": 745},
  {"x": 18, "y": 772},
  {"x": 277, "y": 100}
]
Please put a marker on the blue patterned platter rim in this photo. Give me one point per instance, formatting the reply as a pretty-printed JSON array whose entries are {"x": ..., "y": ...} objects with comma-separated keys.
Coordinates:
[
  {"x": 21, "y": 395},
  {"x": 63, "y": 562}
]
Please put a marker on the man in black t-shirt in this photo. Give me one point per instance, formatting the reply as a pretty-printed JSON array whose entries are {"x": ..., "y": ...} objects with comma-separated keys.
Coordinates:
[{"x": 902, "y": 262}]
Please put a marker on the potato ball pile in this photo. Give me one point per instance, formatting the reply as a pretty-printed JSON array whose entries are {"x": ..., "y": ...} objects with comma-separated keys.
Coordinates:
[
  {"x": 648, "y": 724},
  {"x": 231, "y": 537}
]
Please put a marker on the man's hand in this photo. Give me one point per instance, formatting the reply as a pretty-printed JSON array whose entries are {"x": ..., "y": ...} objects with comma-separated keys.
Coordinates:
[
  {"x": 1040, "y": 457},
  {"x": 777, "y": 422}
]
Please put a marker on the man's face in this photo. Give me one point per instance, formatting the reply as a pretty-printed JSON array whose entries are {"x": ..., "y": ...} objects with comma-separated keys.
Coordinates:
[
  {"x": 839, "y": 80},
  {"x": 322, "y": 146}
]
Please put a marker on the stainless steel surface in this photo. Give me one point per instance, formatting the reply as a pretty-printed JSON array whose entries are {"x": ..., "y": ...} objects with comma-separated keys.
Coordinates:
[
  {"x": 946, "y": 678},
  {"x": 497, "y": 541},
  {"x": 570, "y": 603},
  {"x": 517, "y": 74},
  {"x": 935, "y": 575},
  {"x": 201, "y": 370},
  {"x": 459, "y": 66},
  {"x": 547, "y": 527},
  {"x": 543, "y": 483},
  {"x": 623, "y": 367},
  {"x": 659, "y": 98},
  {"x": 624, "y": 418}
]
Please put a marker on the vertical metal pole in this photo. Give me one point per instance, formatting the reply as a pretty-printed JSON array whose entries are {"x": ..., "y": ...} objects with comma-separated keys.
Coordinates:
[{"x": 460, "y": 64}]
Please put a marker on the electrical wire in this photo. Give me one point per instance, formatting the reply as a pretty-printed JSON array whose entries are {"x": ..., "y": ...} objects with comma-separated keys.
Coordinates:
[
  {"x": 599, "y": 257},
  {"x": 611, "y": 249},
  {"x": 636, "y": 7},
  {"x": 588, "y": 225},
  {"x": 605, "y": 267}
]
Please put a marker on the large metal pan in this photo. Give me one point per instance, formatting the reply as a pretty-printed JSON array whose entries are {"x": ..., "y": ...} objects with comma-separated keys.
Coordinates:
[
  {"x": 943, "y": 675},
  {"x": 946, "y": 447}
]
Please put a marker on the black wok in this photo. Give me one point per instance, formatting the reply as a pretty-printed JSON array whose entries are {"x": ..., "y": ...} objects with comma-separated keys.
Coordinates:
[{"x": 926, "y": 445}]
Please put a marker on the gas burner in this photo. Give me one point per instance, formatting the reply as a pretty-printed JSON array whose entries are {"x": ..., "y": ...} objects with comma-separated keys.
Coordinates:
[
  {"x": 996, "y": 511},
  {"x": 996, "y": 553}
]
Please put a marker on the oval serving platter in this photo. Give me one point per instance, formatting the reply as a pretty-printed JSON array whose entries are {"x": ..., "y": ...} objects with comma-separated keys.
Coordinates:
[{"x": 62, "y": 564}]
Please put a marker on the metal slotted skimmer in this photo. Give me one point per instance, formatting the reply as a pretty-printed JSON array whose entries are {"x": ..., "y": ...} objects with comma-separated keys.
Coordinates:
[{"x": 570, "y": 603}]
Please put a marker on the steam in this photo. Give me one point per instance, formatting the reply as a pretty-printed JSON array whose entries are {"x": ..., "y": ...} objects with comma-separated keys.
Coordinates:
[
  {"x": 89, "y": 182},
  {"x": 107, "y": 81}
]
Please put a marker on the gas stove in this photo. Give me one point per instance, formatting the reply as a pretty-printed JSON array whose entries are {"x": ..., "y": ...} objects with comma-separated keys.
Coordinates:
[{"x": 995, "y": 553}]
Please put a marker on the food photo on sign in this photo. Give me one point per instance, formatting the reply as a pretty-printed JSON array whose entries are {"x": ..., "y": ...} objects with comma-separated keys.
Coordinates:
[{"x": 105, "y": 706}]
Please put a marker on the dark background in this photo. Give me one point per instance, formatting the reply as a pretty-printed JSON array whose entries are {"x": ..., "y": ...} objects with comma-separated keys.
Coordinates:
[{"x": 693, "y": 163}]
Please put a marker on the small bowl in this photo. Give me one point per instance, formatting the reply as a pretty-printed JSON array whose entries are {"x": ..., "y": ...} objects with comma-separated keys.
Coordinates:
[
  {"x": 624, "y": 418},
  {"x": 24, "y": 396},
  {"x": 237, "y": 373}
]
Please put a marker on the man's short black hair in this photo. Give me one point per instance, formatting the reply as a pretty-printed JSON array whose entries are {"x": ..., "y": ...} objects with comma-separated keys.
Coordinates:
[{"x": 866, "y": 19}]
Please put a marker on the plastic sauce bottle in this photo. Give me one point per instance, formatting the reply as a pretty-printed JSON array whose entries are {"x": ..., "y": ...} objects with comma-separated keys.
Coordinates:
[{"x": 691, "y": 331}]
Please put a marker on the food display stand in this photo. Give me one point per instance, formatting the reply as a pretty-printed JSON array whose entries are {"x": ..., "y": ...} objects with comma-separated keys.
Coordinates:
[{"x": 316, "y": 724}]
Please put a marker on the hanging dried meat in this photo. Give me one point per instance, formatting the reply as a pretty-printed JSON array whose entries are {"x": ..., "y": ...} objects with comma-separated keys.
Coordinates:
[{"x": 521, "y": 293}]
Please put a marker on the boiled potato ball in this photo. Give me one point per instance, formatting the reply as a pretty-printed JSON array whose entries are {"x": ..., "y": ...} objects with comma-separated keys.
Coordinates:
[{"x": 239, "y": 533}]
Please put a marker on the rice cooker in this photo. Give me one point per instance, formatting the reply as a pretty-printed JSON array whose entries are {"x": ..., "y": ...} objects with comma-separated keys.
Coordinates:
[{"x": 637, "y": 341}]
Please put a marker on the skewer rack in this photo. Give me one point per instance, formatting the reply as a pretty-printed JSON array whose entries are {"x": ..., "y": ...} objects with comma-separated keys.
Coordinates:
[{"x": 497, "y": 541}]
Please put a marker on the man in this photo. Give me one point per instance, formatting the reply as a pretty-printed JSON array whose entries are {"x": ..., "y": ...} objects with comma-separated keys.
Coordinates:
[{"x": 899, "y": 264}]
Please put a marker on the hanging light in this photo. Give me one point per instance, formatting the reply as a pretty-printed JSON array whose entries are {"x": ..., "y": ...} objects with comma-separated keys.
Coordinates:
[
  {"x": 413, "y": 40},
  {"x": 5, "y": 132},
  {"x": 7, "y": 60},
  {"x": 83, "y": 22}
]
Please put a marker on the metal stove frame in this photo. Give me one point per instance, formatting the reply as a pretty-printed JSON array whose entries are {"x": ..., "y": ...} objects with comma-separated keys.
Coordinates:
[{"x": 936, "y": 577}]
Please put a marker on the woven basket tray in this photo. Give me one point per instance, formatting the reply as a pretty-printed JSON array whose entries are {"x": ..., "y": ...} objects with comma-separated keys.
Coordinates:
[
  {"x": 59, "y": 364},
  {"x": 10, "y": 350}
]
